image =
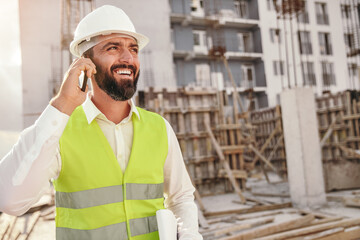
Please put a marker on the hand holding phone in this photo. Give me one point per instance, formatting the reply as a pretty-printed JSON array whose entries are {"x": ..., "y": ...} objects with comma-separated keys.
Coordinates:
[{"x": 71, "y": 94}]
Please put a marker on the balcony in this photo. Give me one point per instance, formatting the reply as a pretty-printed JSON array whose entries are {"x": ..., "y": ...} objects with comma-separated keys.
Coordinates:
[
  {"x": 242, "y": 56},
  {"x": 214, "y": 20}
]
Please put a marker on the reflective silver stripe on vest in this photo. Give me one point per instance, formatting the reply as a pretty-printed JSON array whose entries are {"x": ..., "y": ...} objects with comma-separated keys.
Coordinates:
[
  {"x": 89, "y": 198},
  {"x": 139, "y": 226},
  {"x": 137, "y": 191},
  {"x": 111, "y": 232}
]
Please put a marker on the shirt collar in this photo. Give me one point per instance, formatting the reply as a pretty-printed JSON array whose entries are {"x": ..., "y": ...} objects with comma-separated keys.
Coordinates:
[{"x": 92, "y": 112}]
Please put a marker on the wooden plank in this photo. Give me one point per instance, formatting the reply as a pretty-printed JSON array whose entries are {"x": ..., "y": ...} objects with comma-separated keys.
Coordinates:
[
  {"x": 225, "y": 164},
  {"x": 195, "y": 141},
  {"x": 263, "y": 194},
  {"x": 267, "y": 142},
  {"x": 30, "y": 223},
  {"x": 234, "y": 86},
  {"x": 209, "y": 150},
  {"x": 241, "y": 174},
  {"x": 347, "y": 234},
  {"x": 325, "y": 220},
  {"x": 6, "y": 222},
  {"x": 249, "y": 210},
  {"x": 348, "y": 150},
  {"x": 243, "y": 226},
  {"x": 272, "y": 153},
  {"x": 232, "y": 142},
  {"x": 262, "y": 157},
  {"x": 330, "y": 129},
  {"x": 325, "y": 233},
  {"x": 272, "y": 228},
  {"x": 264, "y": 214},
  {"x": 352, "y": 201},
  {"x": 313, "y": 229},
  {"x": 10, "y": 235}
]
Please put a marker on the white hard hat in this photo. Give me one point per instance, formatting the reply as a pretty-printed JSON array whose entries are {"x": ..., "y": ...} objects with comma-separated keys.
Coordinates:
[{"x": 105, "y": 20}]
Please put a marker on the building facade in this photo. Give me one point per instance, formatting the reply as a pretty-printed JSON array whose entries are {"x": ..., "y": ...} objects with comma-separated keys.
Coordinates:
[
  {"x": 304, "y": 48},
  {"x": 203, "y": 31},
  {"x": 350, "y": 10},
  {"x": 318, "y": 48}
]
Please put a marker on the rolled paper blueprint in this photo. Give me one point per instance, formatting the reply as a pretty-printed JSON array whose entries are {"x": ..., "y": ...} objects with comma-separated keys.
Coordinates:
[{"x": 167, "y": 224}]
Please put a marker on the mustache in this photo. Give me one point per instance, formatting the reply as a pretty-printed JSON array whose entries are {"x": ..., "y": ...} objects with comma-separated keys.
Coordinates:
[{"x": 129, "y": 66}]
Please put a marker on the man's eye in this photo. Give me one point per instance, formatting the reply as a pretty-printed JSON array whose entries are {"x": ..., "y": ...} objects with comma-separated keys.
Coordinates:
[
  {"x": 135, "y": 50},
  {"x": 112, "y": 48}
]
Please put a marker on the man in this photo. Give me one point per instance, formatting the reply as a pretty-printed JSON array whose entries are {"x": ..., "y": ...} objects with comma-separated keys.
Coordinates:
[{"x": 113, "y": 165}]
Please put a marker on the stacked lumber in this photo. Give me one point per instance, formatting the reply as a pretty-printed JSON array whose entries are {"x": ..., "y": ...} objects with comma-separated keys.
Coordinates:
[
  {"x": 278, "y": 222},
  {"x": 21, "y": 228}
]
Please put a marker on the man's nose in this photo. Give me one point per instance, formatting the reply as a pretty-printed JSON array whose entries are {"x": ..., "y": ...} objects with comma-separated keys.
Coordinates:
[{"x": 126, "y": 56}]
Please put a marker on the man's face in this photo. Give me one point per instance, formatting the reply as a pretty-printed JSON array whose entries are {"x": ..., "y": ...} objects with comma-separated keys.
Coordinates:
[{"x": 117, "y": 66}]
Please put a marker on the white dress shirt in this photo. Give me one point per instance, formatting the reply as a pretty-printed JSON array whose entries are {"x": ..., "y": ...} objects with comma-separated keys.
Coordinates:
[{"x": 35, "y": 159}]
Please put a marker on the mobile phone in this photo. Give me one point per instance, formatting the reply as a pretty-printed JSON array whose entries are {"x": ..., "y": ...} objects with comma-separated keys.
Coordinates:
[{"x": 84, "y": 83}]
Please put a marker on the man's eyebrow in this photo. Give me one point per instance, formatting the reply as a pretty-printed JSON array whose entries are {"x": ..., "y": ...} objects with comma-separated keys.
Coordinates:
[
  {"x": 109, "y": 44},
  {"x": 134, "y": 45},
  {"x": 118, "y": 44}
]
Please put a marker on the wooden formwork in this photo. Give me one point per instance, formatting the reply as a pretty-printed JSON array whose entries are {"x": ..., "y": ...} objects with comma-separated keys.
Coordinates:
[
  {"x": 187, "y": 109},
  {"x": 269, "y": 136},
  {"x": 338, "y": 119}
]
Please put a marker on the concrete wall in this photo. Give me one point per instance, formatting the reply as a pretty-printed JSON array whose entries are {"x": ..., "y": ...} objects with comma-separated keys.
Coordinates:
[{"x": 10, "y": 68}]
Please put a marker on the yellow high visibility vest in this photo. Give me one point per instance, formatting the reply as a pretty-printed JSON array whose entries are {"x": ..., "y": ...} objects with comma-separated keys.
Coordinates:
[{"x": 94, "y": 199}]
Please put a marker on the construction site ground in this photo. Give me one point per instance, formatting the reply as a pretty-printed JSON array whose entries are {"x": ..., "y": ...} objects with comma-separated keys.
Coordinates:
[{"x": 226, "y": 218}]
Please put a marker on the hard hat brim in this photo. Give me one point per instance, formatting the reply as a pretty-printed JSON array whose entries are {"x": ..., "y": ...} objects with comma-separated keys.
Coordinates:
[{"x": 141, "y": 40}]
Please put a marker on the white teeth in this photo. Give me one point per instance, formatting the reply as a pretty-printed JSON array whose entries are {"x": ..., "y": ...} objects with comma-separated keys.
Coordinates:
[{"x": 124, "y": 72}]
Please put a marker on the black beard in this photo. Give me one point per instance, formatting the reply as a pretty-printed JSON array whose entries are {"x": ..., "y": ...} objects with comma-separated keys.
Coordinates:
[{"x": 118, "y": 91}]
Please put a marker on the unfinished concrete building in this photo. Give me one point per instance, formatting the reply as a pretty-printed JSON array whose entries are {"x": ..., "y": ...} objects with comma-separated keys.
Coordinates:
[{"x": 199, "y": 26}]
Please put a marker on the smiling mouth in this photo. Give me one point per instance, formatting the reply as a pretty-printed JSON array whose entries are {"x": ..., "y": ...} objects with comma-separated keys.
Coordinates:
[{"x": 124, "y": 72}]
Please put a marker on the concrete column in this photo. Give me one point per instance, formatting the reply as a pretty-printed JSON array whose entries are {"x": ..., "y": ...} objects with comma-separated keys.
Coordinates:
[{"x": 303, "y": 151}]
